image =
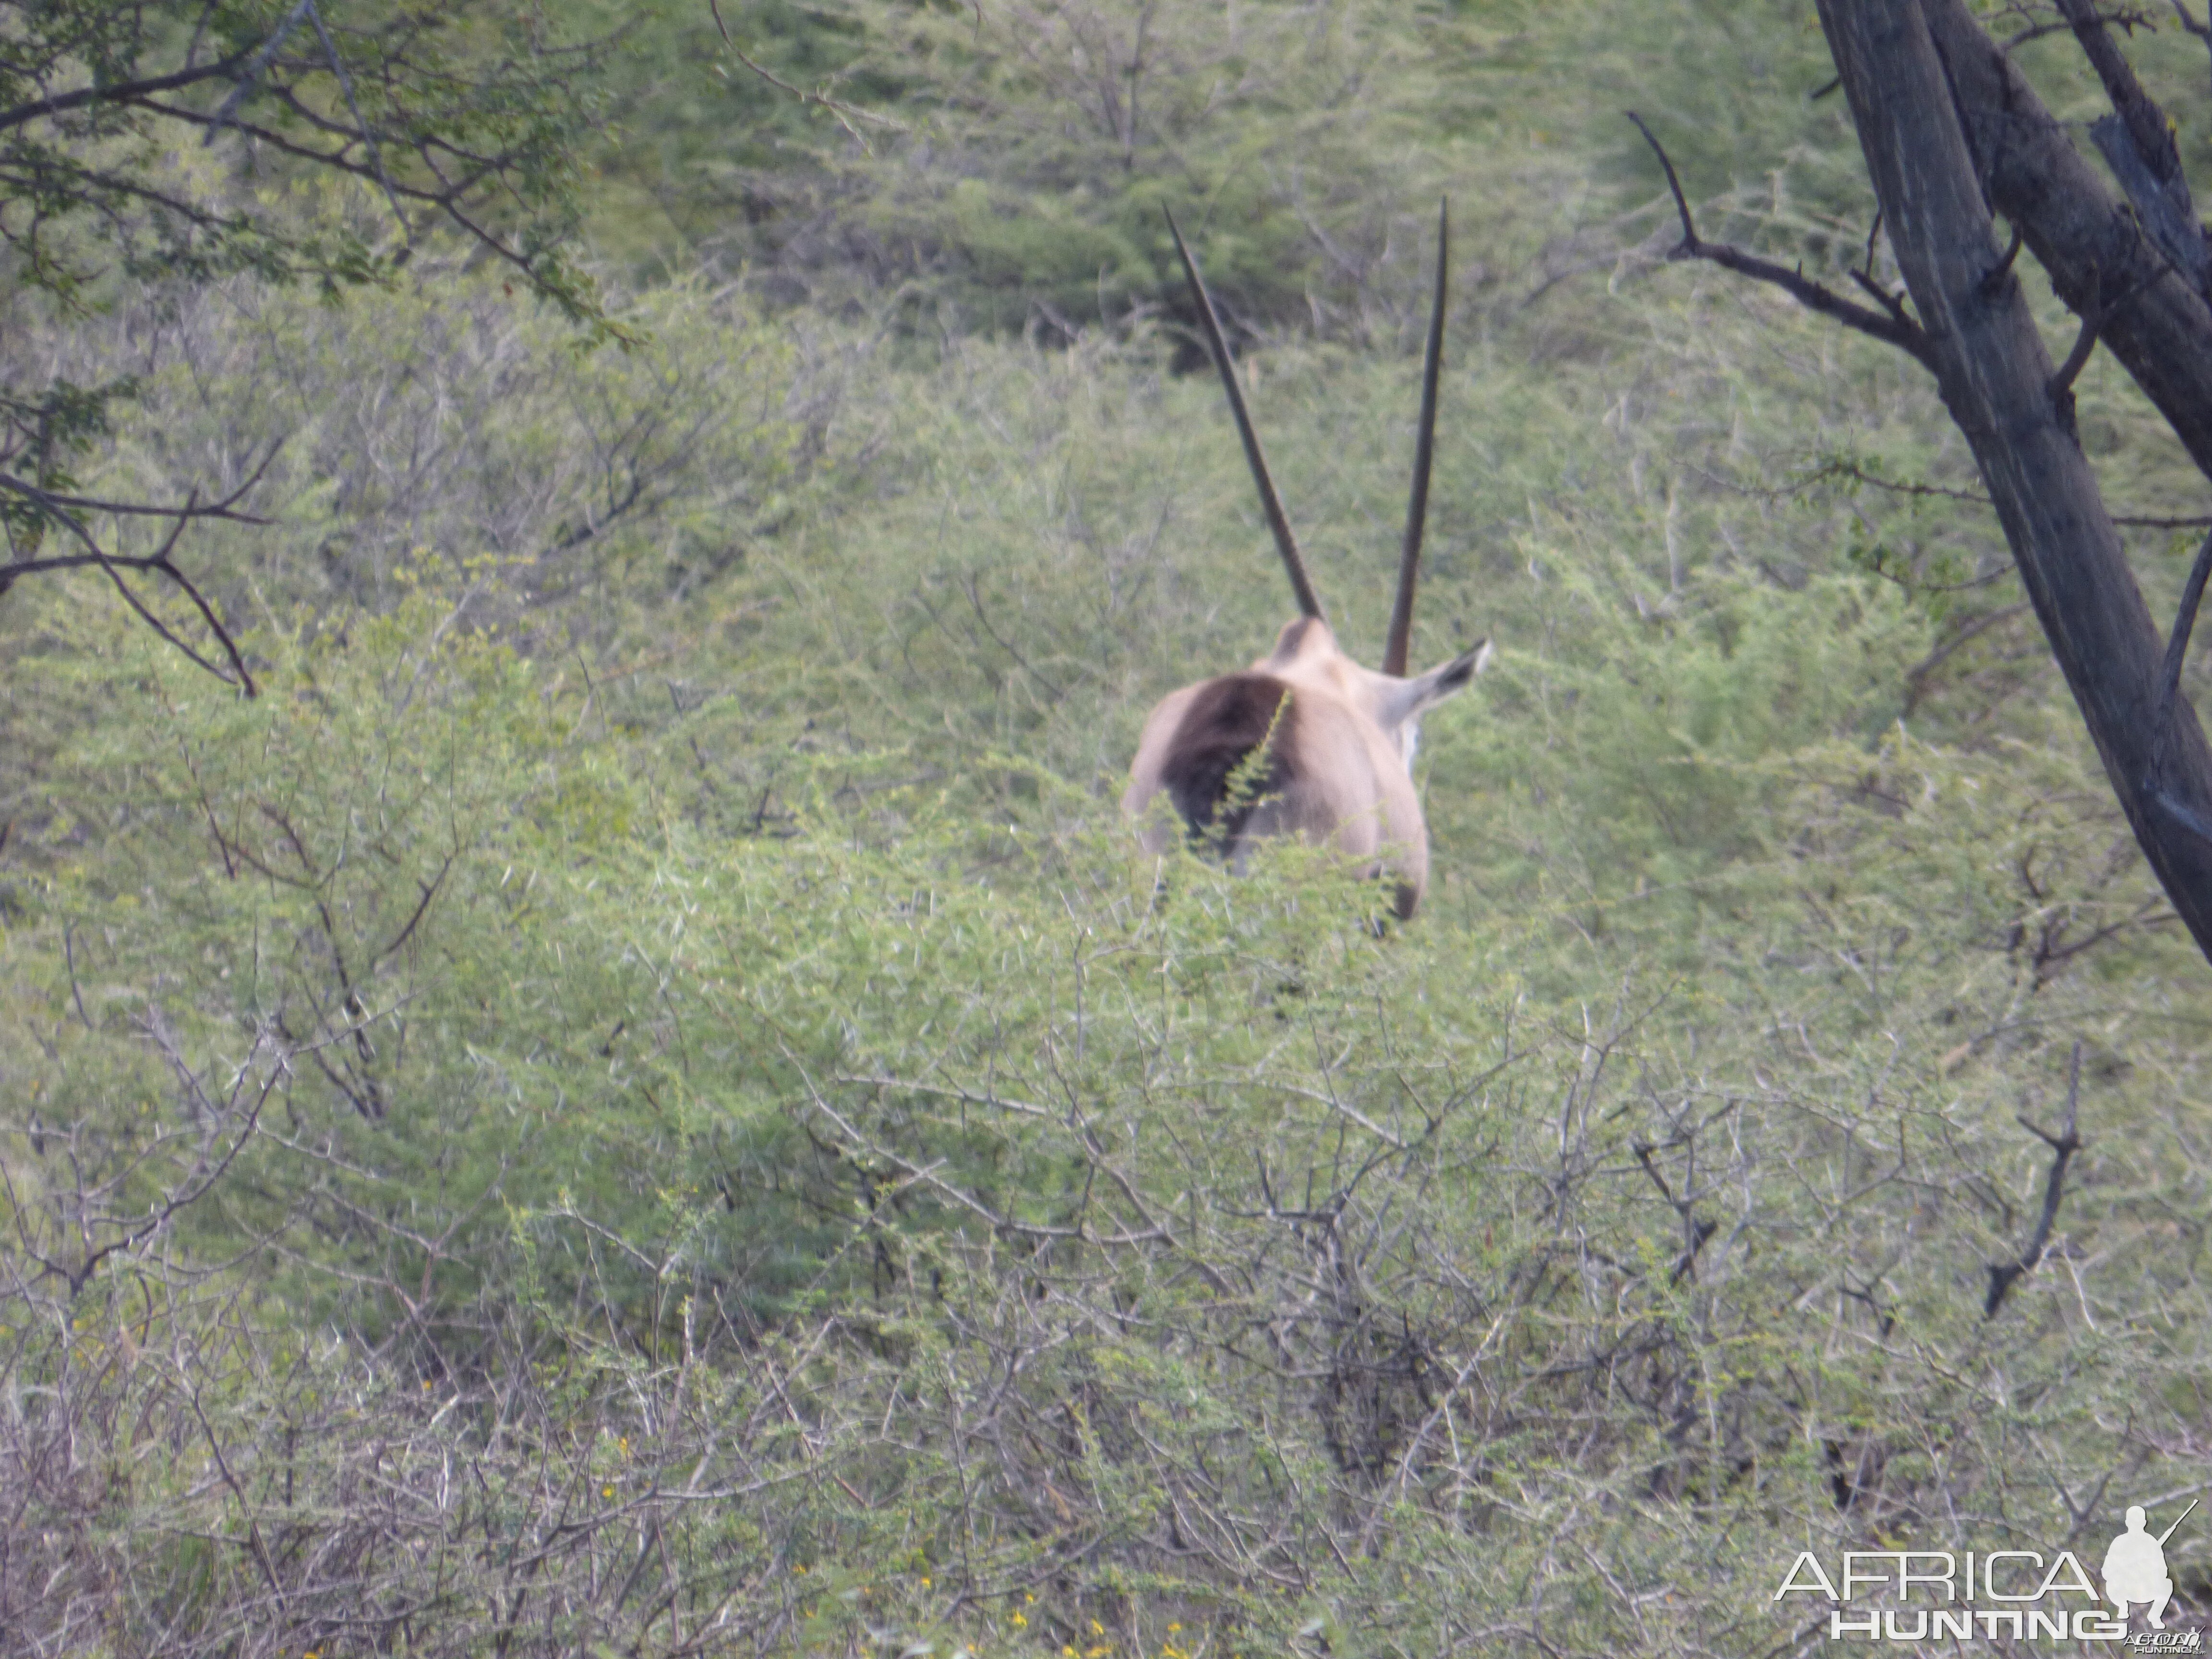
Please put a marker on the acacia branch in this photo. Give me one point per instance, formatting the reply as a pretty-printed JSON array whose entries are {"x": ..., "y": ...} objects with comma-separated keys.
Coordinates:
[
  {"x": 1896, "y": 329},
  {"x": 117, "y": 91},
  {"x": 262, "y": 56},
  {"x": 2004, "y": 1274},
  {"x": 1695, "y": 1231},
  {"x": 195, "y": 1187},
  {"x": 368, "y": 138},
  {"x": 56, "y": 509},
  {"x": 845, "y": 114},
  {"x": 225, "y": 508},
  {"x": 1857, "y": 474},
  {"x": 1915, "y": 678}
]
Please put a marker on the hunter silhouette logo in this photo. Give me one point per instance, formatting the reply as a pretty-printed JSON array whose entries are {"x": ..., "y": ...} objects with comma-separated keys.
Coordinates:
[
  {"x": 1919, "y": 1595},
  {"x": 2135, "y": 1567}
]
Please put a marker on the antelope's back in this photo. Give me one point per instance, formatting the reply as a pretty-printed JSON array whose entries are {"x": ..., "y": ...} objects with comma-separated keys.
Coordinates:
[
  {"x": 1250, "y": 755},
  {"x": 1233, "y": 758}
]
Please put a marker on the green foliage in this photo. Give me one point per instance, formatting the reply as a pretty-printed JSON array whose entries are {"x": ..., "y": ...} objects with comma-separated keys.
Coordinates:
[
  {"x": 639, "y": 1097},
  {"x": 463, "y": 118},
  {"x": 93, "y": 94}
]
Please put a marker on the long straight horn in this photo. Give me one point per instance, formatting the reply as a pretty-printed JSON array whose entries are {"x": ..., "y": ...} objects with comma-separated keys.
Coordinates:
[
  {"x": 1424, "y": 447},
  {"x": 1286, "y": 544}
]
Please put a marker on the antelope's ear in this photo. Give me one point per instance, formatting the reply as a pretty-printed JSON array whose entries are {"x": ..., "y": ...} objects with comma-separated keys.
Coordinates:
[
  {"x": 1410, "y": 699},
  {"x": 1454, "y": 675}
]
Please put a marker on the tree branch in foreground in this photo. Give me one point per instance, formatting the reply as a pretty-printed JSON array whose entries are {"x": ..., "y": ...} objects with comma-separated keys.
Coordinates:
[
  {"x": 2004, "y": 1274},
  {"x": 1913, "y": 83},
  {"x": 117, "y": 91},
  {"x": 2084, "y": 237},
  {"x": 2138, "y": 144}
]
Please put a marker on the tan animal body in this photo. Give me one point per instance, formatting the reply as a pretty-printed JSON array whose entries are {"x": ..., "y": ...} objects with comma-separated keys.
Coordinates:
[{"x": 1306, "y": 741}]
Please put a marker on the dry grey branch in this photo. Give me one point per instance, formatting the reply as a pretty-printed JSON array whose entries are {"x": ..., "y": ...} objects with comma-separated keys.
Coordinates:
[{"x": 2063, "y": 1145}]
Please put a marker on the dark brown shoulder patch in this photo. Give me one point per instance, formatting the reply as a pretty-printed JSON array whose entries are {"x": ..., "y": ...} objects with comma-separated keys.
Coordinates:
[{"x": 1206, "y": 775}]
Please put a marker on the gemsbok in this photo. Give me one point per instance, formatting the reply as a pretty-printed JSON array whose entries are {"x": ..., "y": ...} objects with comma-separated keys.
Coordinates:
[{"x": 1306, "y": 741}]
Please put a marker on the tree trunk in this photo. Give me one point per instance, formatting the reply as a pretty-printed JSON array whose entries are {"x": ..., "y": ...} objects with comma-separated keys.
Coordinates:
[
  {"x": 1995, "y": 378},
  {"x": 2088, "y": 241}
]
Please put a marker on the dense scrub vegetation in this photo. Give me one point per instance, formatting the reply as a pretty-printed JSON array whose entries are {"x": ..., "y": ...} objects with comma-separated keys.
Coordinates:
[{"x": 639, "y": 1098}]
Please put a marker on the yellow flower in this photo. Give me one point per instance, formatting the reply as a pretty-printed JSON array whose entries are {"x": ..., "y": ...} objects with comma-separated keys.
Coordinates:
[
  {"x": 1173, "y": 1628},
  {"x": 925, "y": 1583},
  {"x": 1021, "y": 1622},
  {"x": 1097, "y": 1629},
  {"x": 800, "y": 1569},
  {"x": 606, "y": 1492}
]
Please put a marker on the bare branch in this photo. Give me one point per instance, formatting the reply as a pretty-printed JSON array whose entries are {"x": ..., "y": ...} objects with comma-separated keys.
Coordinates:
[
  {"x": 1896, "y": 329},
  {"x": 2063, "y": 1145},
  {"x": 1915, "y": 678},
  {"x": 1894, "y": 304},
  {"x": 2085, "y": 341},
  {"x": 254, "y": 69},
  {"x": 117, "y": 91},
  {"x": 2201, "y": 30},
  {"x": 2176, "y": 650},
  {"x": 1857, "y": 474},
  {"x": 845, "y": 114},
  {"x": 1695, "y": 1231},
  {"x": 2002, "y": 269},
  {"x": 2126, "y": 18},
  {"x": 159, "y": 562},
  {"x": 367, "y": 137},
  {"x": 225, "y": 508}
]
